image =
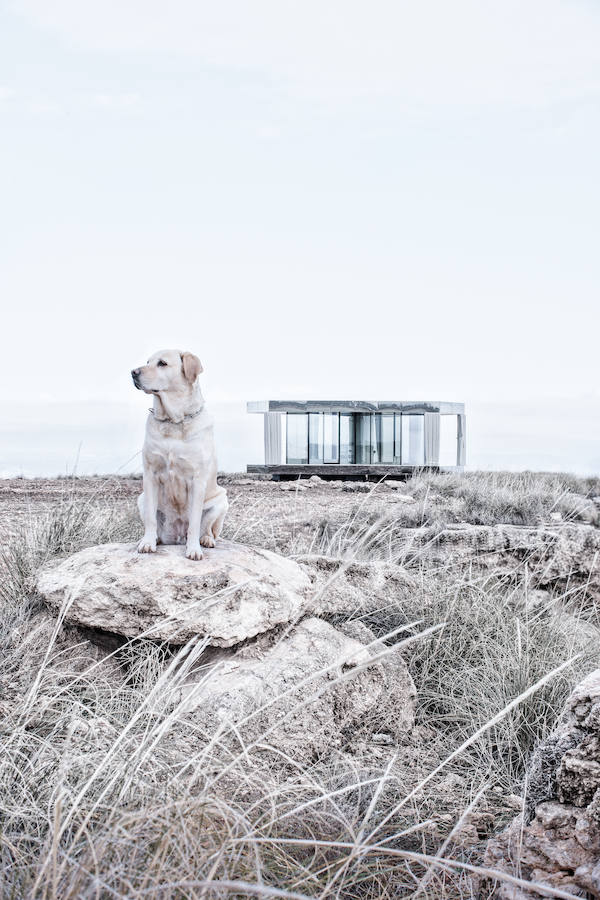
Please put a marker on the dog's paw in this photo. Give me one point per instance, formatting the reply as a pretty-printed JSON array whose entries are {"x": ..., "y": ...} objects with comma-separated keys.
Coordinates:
[
  {"x": 146, "y": 545},
  {"x": 207, "y": 540},
  {"x": 193, "y": 552}
]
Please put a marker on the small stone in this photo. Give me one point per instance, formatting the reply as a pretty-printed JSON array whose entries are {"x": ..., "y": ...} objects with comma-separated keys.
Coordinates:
[
  {"x": 555, "y": 517},
  {"x": 451, "y": 783},
  {"x": 466, "y": 836},
  {"x": 382, "y": 738},
  {"x": 315, "y": 479},
  {"x": 291, "y": 486},
  {"x": 553, "y": 815}
]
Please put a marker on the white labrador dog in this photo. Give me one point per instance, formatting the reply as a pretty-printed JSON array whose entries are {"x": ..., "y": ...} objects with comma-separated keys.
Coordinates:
[{"x": 182, "y": 501}]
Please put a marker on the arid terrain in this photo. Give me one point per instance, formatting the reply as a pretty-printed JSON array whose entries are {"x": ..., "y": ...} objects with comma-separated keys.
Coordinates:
[{"x": 477, "y": 597}]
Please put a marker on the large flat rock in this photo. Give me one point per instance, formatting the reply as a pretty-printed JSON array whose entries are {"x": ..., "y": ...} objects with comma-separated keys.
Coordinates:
[{"x": 234, "y": 593}]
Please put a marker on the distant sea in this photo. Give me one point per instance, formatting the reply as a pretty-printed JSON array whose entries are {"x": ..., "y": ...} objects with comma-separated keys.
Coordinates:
[{"x": 99, "y": 438}]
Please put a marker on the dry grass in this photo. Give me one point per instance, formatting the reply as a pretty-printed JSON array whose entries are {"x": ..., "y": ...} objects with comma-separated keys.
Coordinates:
[
  {"x": 109, "y": 789},
  {"x": 519, "y": 498}
]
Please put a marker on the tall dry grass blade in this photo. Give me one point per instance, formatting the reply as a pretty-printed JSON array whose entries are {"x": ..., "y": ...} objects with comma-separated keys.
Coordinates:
[
  {"x": 471, "y": 740},
  {"x": 446, "y": 843},
  {"x": 427, "y": 859}
]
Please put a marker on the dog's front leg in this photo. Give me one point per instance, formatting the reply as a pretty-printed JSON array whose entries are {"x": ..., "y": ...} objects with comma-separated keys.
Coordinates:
[
  {"x": 193, "y": 549},
  {"x": 148, "y": 542}
]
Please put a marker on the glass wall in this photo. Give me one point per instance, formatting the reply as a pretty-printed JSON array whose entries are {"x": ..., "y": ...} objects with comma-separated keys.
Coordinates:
[
  {"x": 331, "y": 437},
  {"x": 413, "y": 440},
  {"x": 315, "y": 438},
  {"x": 297, "y": 438},
  {"x": 383, "y": 438},
  {"x": 362, "y": 438},
  {"x": 346, "y": 438}
]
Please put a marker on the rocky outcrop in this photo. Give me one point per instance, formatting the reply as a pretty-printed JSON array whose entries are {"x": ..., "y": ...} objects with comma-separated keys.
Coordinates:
[
  {"x": 557, "y": 840},
  {"x": 564, "y": 550},
  {"x": 305, "y": 691},
  {"x": 267, "y": 668},
  {"x": 234, "y": 593}
]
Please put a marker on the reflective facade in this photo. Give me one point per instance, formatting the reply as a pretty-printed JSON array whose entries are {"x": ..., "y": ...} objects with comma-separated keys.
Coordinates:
[
  {"x": 297, "y": 439},
  {"x": 361, "y": 438}
]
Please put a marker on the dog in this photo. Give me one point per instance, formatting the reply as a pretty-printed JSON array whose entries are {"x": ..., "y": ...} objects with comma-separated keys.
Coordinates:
[{"x": 181, "y": 501}]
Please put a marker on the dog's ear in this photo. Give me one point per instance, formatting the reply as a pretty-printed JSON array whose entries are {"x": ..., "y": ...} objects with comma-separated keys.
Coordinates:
[{"x": 191, "y": 366}]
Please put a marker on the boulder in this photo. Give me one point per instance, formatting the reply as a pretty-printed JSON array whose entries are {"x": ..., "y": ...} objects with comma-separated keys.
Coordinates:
[
  {"x": 556, "y": 842},
  {"x": 311, "y": 688},
  {"x": 234, "y": 593}
]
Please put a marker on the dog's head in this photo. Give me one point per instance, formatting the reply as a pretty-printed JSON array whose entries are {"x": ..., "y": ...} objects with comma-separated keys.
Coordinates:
[{"x": 168, "y": 371}]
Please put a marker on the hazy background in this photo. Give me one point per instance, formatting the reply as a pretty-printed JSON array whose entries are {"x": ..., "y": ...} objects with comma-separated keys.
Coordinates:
[{"x": 383, "y": 200}]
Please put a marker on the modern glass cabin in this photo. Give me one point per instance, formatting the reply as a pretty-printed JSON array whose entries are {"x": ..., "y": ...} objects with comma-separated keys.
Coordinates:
[{"x": 355, "y": 438}]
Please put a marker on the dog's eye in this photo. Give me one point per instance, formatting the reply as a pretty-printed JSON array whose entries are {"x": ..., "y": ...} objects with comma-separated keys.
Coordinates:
[{"x": 161, "y": 362}]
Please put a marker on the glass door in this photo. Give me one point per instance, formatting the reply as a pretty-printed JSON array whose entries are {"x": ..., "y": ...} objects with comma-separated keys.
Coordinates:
[
  {"x": 346, "y": 439},
  {"x": 383, "y": 438},
  {"x": 413, "y": 440},
  {"x": 362, "y": 438},
  {"x": 315, "y": 438},
  {"x": 297, "y": 438},
  {"x": 331, "y": 438}
]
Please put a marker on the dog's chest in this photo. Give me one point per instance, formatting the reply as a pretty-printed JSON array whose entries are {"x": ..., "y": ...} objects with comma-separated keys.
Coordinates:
[
  {"x": 171, "y": 462},
  {"x": 174, "y": 473}
]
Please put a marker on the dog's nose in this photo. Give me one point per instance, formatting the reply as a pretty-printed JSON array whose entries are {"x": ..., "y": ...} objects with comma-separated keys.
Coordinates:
[{"x": 135, "y": 373}]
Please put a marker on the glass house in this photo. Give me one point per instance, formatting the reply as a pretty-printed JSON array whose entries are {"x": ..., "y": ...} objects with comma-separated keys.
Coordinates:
[{"x": 355, "y": 438}]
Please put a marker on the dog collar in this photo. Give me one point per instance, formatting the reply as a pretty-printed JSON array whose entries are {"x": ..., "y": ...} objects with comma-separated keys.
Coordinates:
[{"x": 186, "y": 418}]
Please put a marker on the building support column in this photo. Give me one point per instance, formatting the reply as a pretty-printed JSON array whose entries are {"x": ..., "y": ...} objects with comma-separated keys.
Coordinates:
[
  {"x": 272, "y": 439},
  {"x": 432, "y": 439},
  {"x": 461, "y": 440}
]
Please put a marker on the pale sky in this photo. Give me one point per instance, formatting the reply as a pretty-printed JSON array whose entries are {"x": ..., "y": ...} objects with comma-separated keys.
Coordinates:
[{"x": 350, "y": 199}]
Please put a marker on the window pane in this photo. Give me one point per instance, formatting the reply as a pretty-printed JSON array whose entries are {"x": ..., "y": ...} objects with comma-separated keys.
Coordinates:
[
  {"x": 297, "y": 438},
  {"x": 413, "y": 440},
  {"x": 315, "y": 438},
  {"x": 331, "y": 446},
  {"x": 383, "y": 443},
  {"x": 362, "y": 430},
  {"x": 346, "y": 438}
]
